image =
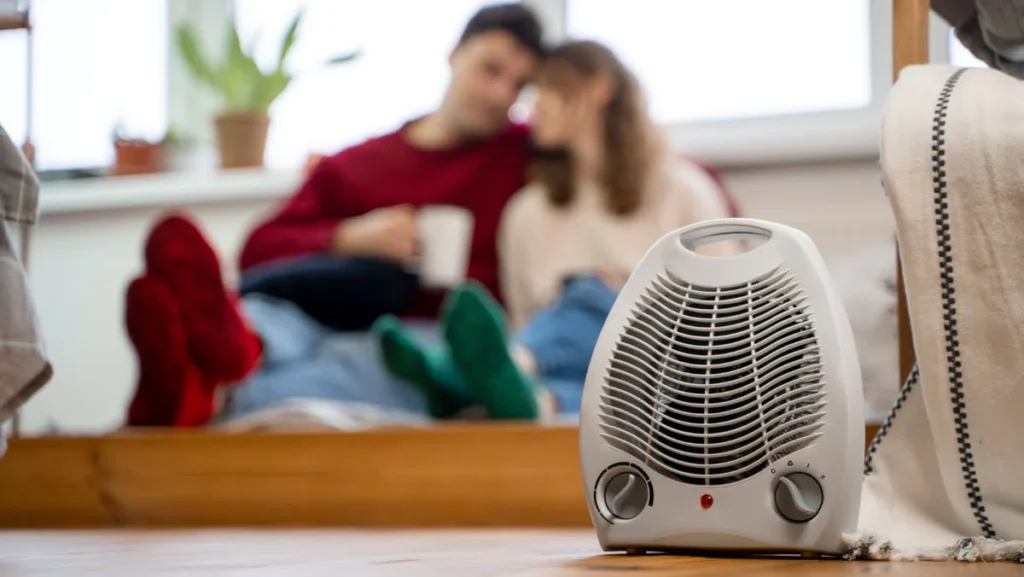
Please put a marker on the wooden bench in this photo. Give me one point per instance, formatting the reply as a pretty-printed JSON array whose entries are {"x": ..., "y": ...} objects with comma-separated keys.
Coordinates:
[{"x": 447, "y": 476}]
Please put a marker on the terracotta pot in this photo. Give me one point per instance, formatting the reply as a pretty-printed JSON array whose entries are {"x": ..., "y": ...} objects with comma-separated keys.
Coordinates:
[
  {"x": 137, "y": 157},
  {"x": 242, "y": 138}
]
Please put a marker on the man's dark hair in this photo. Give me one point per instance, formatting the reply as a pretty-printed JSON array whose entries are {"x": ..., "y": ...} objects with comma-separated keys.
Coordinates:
[{"x": 514, "y": 18}]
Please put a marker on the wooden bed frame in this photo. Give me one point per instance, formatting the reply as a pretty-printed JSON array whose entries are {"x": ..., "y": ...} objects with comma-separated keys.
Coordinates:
[
  {"x": 909, "y": 47},
  {"x": 446, "y": 476}
]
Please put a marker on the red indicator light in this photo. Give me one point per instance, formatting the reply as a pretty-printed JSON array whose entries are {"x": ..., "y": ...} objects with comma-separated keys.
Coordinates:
[{"x": 706, "y": 501}]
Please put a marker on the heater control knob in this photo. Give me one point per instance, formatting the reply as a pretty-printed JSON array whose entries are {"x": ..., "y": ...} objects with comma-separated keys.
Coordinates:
[
  {"x": 625, "y": 495},
  {"x": 798, "y": 497}
]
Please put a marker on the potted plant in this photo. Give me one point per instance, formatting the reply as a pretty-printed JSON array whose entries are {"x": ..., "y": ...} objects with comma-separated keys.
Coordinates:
[
  {"x": 133, "y": 155},
  {"x": 246, "y": 90}
]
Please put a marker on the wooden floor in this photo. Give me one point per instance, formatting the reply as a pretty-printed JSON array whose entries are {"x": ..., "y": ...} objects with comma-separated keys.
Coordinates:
[
  {"x": 126, "y": 492},
  {"x": 312, "y": 553}
]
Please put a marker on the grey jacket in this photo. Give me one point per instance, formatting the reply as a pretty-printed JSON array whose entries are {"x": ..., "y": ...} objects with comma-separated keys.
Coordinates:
[
  {"x": 992, "y": 30},
  {"x": 24, "y": 365}
]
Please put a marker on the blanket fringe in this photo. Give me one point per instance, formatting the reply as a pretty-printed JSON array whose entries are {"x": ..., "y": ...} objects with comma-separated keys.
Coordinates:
[{"x": 868, "y": 547}]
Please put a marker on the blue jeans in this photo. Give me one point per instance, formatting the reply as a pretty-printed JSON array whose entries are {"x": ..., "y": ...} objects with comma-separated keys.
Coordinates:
[
  {"x": 562, "y": 337},
  {"x": 312, "y": 314},
  {"x": 306, "y": 359},
  {"x": 303, "y": 359}
]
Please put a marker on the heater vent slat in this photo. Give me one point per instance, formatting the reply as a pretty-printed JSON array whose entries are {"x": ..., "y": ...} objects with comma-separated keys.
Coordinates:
[{"x": 710, "y": 385}]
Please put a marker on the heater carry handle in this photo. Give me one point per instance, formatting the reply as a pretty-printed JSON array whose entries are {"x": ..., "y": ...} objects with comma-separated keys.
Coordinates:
[{"x": 723, "y": 230}]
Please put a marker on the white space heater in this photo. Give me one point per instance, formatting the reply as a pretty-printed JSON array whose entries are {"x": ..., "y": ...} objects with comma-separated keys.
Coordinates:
[{"x": 723, "y": 408}]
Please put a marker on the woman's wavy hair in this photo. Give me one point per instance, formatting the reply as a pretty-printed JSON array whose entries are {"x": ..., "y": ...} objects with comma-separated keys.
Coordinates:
[{"x": 632, "y": 143}]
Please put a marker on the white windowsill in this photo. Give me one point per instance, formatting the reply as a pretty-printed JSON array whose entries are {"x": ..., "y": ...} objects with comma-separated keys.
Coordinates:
[
  {"x": 175, "y": 189},
  {"x": 775, "y": 141}
]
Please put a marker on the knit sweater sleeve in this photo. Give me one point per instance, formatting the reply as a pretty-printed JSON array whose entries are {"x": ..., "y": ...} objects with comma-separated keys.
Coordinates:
[
  {"x": 694, "y": 197},
  {"x": 513, "y": 258},
  {"x": 304, "y": 224}
]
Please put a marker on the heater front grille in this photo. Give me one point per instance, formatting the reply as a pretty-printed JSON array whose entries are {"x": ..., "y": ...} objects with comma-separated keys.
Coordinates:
[{"x": 710, "y": 385}]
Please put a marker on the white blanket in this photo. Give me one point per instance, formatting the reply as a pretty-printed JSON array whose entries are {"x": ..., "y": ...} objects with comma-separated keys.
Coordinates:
[
  {"x": 945, "y": 476},
  {"x": 319, "y": 415}
]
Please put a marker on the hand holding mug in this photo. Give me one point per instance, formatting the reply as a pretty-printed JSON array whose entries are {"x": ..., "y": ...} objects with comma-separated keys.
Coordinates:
[
  {"x": 390, "y": 233},
  {"x": 447, "y": 238}
]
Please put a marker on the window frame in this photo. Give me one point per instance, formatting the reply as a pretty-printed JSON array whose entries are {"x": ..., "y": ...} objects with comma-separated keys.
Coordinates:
[
  {"x": 796, "y": 138},
  {"x": 193, "y": 105},
  {"x": 30, "y": 91}
]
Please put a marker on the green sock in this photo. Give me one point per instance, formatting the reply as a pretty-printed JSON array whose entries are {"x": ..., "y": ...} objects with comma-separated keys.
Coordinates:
[
  {"x": 432, "y": 371},
  {"x": 474, "y": 325}
]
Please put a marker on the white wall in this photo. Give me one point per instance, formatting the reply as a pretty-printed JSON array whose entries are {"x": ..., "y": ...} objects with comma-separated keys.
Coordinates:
[
  {"x": 842, "y": 206},
  {"x": 83, "y": 255},
  {"x": 81, "y": 261}
]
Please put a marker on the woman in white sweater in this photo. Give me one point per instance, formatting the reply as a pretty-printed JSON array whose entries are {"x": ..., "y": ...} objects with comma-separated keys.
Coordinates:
[{"x": 604, "y": 189}]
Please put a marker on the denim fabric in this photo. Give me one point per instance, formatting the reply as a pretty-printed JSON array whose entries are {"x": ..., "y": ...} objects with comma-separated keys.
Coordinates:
[
  {"x": 304, "y": 359},
  {"x": 562, "y": 337}
]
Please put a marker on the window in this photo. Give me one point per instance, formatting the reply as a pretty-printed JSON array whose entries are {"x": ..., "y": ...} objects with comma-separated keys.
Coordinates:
[
  {"x": 401, "y": 73},
  {"x": 735, "y": 59},
  {"x": 97, "y": 65},
  {"x": 960, "y": 56},
  {"x": 721, "y": 69}
]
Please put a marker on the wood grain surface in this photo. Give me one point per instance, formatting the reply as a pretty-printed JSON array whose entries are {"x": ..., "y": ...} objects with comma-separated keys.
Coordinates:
[
  {"x": 461, "y": 476},
  {"x": 909, "y": 47},
  {"x": 13, "y": 22},
  {"x": 485, "y": 475},
  {"x": 312, "y": 553}
]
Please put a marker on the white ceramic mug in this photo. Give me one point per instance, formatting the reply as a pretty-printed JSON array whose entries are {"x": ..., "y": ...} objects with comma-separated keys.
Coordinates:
[{"x": 446, "y": 239}]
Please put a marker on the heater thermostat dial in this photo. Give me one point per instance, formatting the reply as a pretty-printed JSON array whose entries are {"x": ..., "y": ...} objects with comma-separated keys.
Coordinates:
[
  {"x": 798, "y": 497},
  {"x": 626, "y": 494}
]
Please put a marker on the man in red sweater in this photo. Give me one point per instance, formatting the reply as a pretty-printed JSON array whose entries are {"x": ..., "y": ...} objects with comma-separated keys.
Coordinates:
[{"x": 339, "y": 247}]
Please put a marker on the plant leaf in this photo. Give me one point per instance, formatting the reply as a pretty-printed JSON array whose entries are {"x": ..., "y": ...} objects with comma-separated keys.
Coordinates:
[
  {"x": 289, "y": 39},
  {"x": 231, "y": 75},
  {"x": 343, "y": 58},
  {"x": 242, "y": 76},
  {"x": 272, "y": 86},
  {"x": 193, "y": 56}
]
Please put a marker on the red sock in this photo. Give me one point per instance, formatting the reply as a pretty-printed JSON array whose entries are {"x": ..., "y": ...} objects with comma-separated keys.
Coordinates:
[
  {"x": 171, "y": 390},
  {"x": 218, "y": 338}
]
